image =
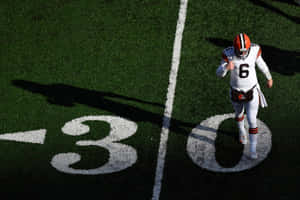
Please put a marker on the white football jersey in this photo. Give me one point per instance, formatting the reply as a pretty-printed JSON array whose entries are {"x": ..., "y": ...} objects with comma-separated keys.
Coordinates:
[{"x": 243, "y": 76}]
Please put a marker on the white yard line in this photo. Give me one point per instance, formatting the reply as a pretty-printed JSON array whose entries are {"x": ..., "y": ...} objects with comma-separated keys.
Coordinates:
[{"x": 170, "y": 99}]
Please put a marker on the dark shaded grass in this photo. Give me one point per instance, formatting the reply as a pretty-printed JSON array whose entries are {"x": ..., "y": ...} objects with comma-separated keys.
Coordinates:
[{"x": 63, "y": 59}]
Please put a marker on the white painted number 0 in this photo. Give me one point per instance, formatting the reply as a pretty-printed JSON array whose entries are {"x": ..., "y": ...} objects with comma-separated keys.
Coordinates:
[
  {"x": 121, "y": 156},
  {"x": 201, "y": 148}
]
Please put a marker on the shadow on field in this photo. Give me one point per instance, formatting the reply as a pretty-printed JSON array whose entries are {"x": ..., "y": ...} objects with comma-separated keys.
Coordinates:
[
  {"x": 281, "y": 61},
  {"x": 68, "y": 96},
  {"x": 276, "y": 10},
  {"x": 291, "y": 2}
]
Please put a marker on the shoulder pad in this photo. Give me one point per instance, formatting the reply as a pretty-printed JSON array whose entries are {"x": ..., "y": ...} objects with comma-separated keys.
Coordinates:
[
  {"x": 254, "y": 45},
  {"x": 229, "y": 51},
  {"x": 256, "y": 48}
]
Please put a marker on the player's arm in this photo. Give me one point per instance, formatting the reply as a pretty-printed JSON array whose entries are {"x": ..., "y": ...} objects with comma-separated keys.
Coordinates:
[
  {"x": 225, "y": 66},
  {"x": 262, "y": 66}
]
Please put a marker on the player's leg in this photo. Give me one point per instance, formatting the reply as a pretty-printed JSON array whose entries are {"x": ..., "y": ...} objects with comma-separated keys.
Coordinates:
[
  {"x": 239, "y": 118},
  {"x": 252, "y": 110}
]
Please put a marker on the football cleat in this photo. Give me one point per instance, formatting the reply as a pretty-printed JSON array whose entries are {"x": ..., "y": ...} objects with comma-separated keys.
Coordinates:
[
  {"x": 243, "y": 138},
  {"x": 241, "y": 44}
]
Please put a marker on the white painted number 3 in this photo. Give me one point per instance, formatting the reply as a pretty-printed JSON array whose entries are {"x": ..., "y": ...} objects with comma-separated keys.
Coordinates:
[
  {"x": 201, "y": 148},
  {"x": 121, "y": 156}
]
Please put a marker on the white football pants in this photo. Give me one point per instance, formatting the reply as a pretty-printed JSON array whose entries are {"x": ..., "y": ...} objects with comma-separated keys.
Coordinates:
[{"x": 250, "y": 107}]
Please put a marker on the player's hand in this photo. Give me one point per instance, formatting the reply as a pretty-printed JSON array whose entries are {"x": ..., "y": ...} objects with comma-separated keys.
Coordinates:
[
  {"x": 230, "y": 65},
  {"x": 270, "y": 83}
]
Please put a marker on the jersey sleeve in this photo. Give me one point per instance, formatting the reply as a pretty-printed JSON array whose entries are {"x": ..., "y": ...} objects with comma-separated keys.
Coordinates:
[
  {"x": 225, "y": 58},
  {"x": 262, "y": 66},
  {"x": 259, "y": 52},
  {"x": 222, "y": 71}
]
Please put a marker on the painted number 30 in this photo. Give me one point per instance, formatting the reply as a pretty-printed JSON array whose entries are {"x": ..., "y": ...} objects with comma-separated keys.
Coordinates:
[{"x": 200, "y": 145}]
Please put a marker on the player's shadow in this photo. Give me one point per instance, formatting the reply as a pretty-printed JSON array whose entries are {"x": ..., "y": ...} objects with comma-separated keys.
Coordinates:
[
  {"x": 68, "y": 96},
  {"x": 278, "y": 60},
  {"x": 228, "y": 149},
  {"x": 291, "y": 2},
  {"x": 276, "y": 10}
]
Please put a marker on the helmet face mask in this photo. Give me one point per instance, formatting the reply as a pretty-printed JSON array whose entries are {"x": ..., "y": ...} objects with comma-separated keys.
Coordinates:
[
  {"x": 242, "y": 53},
  {"x": 241, "y": 44}
]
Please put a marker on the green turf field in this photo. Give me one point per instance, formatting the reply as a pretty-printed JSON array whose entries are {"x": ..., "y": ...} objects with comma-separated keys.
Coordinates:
[{"x": 102, "y": 61}]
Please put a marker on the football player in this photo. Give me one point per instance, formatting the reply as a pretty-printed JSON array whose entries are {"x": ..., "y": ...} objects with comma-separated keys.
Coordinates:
[{"x": 245, "y": 93}]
